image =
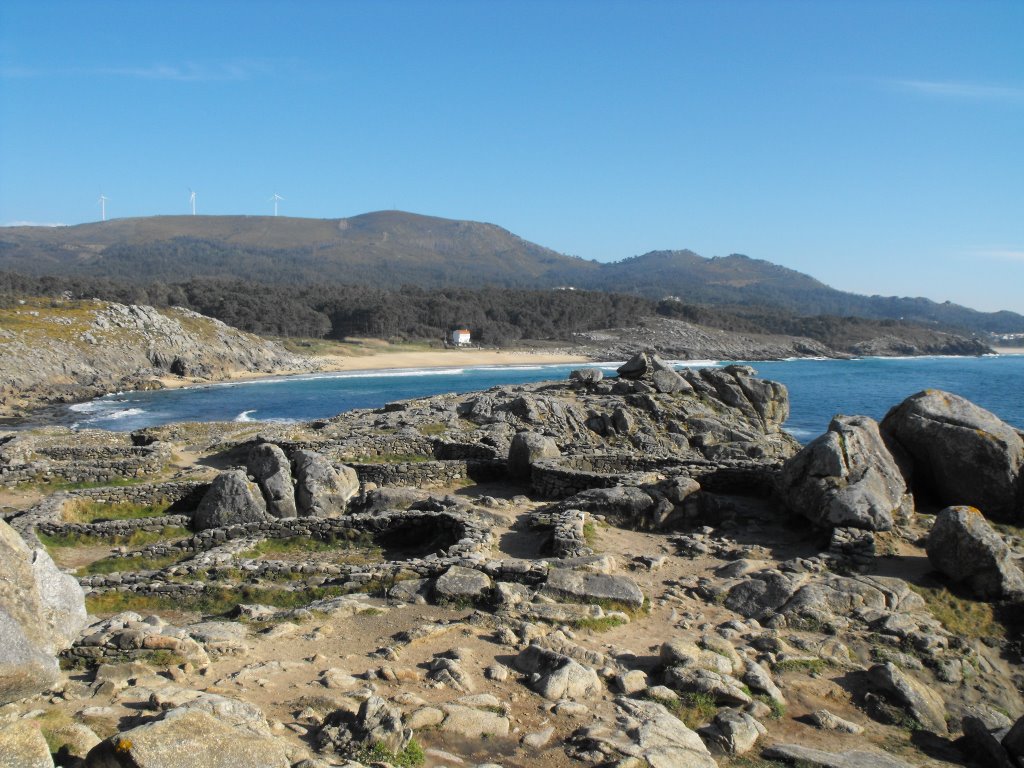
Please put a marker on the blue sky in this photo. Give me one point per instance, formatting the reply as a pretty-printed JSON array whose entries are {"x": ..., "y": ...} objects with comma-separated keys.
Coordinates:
[{"x": 878, "y": 146}]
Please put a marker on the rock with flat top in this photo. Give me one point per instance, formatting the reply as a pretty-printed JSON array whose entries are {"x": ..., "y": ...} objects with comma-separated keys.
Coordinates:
[
  {"x": 22, "y": 746},
  {"x": 188, "y": 738},
  {"x": 566, "y": 584},
  {"x": 806, "y": 757}
]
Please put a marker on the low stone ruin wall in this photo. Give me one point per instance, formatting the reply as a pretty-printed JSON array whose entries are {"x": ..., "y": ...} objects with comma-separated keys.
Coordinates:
[
  {"x": 430, "y": 474},
  {"x": 88, "y": 464},
  {"x": 569, "y": 475},
  {"x": 567, "y": 536}
]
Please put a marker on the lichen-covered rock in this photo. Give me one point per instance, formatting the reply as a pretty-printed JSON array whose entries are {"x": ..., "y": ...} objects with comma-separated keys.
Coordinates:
[
  {"x": 231, "y": 499},
  {"x": 556, "y": 676},
  {"x": 661, "y": 738},
  {"x": 733, "y": 731},
  {"x": 846, "y": 478},
  {"x": 527, "y": 448},
  {"x": 459, "y": 583},
  {"x": 188, "y": 738},
  {"x": 273, "y": 472},
  {"x": 22, "y": 746},
  {"x": 817, "y": 758},
  {"x": 961, "y": 454},
  {"x": 567, "y": 584},
  {"x": 376, "y": 722},
  {"x": 964, "y": 547},
  {"x": 920, "y": 701},
  {"x": 41, "y": 613},
  {"x": 322, "y": 489}
]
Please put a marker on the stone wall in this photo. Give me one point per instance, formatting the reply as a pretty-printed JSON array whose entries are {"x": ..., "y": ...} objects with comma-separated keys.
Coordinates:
[
  {"x": 569, "y": 475},
  {"x": 430, "y": 474},
  {"x": 87, "y": 464}
]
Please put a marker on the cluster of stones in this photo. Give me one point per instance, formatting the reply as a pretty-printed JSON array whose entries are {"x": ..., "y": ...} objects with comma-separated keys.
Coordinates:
[
  {"x": 26, "y": 459},
  {"x": 937, "y": 449}
]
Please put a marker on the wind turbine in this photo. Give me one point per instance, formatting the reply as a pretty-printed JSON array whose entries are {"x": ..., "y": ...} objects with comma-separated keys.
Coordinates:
[
  {"x": 274, "y": 199},
  {"x": 103, "y": 207},
  {"x": 192, "y": 199}
]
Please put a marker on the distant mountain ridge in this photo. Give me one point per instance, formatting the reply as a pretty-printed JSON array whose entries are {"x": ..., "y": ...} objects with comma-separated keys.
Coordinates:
[{"x": 393, "y": 248}]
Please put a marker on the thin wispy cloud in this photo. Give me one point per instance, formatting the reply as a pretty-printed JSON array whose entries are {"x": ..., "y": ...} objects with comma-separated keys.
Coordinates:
[
  {"x": 222, "y": 71},
  {"x": 958, "y": 89},
  {"x": 30, "y": 224}
]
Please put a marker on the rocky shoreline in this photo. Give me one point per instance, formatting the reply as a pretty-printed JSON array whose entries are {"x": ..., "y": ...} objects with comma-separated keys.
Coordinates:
[
  {"x": 62, "y": 352},
  {"x": 637, "y": 570}
]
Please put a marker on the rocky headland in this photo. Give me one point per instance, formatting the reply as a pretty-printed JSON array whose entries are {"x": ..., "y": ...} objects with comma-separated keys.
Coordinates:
[
  {"x": 637, "y": 570},
  {"x": 65, "y": 351}
]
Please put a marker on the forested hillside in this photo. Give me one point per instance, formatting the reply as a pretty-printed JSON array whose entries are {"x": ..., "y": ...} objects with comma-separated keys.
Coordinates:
[{"x": 390, "y": 249}]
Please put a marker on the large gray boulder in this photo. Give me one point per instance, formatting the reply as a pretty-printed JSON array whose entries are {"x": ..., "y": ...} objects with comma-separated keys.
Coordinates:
[
  {"x": 376, "y": 722},
  {"x": 661, "y": 738},
  {"x": 920, "y": 701},
  {"x": 963, "y": 546},
  {"x": 322, "y": 489},
  {"x": 556, "y": 676},
  {"x": 808, "y": 757},
  {"x": 459, "y": 583},
  {"x": 846, "y": 478},
  {"x": 22, "y": 745},
  {"x": 273, "y": 472},
  {"x": 188, "y": 738},
  {"x": 526, "y": 449},
  {"x": 601, "y": 588},
  {"x": 231, "y": 499},
  {"x": 42, "y": 611},
  {"x": 961, "y": 454},
  {"x": 638, "y": 366}
]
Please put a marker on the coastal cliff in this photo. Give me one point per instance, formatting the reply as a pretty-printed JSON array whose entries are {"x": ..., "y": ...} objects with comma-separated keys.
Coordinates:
[{"x": 55, "y": 351}]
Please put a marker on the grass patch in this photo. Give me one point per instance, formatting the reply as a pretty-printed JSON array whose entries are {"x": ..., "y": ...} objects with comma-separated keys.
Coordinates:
[
  {"x": 350, "y": 539},
  {"x": 807, "y": 666},
  {"x": 602, "y": 624},
  {"x": 212, "y": 601},
  {"x": 590, "y": 534},
  {"x": 432, "y": 428},
  {"x": 95, "y": 511},
  {"x": 133, "y": 563},
  {"x": 410, "y": 757},
  {"x": 694, "y": 709},
  {"x": 778, "y": 708},
  {"x": 53, "y": 486},
  {"x": 961, "y": 615},
  {"x": 135, "y": 539},
  {"x": 388, "y": 458}
]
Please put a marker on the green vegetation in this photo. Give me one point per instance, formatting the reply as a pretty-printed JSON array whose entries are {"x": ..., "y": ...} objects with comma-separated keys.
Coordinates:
[
  {"x": 53, "y": 486},
  {"x": 136, "y": 539},
  {"x": 134, "y": 563},
  {"x": 352, "y": 547},
  {"x": 432, "y": 428},
  {"x": 94, "y": 511},
  {"x": 694, "y": 709},
  {"x": 806, "y": 666},
  {"x": 590, "y": 534},
  {"x": 410, "y": 757},
  {"x": 602, "y": 624},
  {"x": 215, "y": 601},
  {"x": 387, "y": 458},
  {"x": 778, "y": 709},
  {"x": 961, "y": 615}
]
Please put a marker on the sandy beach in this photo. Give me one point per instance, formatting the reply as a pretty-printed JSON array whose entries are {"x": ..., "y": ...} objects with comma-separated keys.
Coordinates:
[
  {"x": 401, "y": 359},
  {"x": 1009, "y": 350}
]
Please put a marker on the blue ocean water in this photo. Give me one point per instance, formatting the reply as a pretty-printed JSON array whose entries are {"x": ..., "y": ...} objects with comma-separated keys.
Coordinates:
[{"x": 818, "y": 390}]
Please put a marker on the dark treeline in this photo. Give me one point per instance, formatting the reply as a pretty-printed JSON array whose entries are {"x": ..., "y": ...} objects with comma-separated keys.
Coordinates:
[{"x": 496, "y": 316}]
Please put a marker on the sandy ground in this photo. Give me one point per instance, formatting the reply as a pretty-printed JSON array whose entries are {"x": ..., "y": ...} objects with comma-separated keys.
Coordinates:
[
  {"x": 435, "y": 358},
  {"x": 1009, "y": 350}
]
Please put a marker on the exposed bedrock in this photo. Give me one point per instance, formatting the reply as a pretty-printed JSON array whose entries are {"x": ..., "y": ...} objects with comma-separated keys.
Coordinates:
[
  {"x": 960, "y": 453},
  {"x": 964, "y": 547},
  {"x": 41, "y": 613},
  {"x": 846, "y": 478}
]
